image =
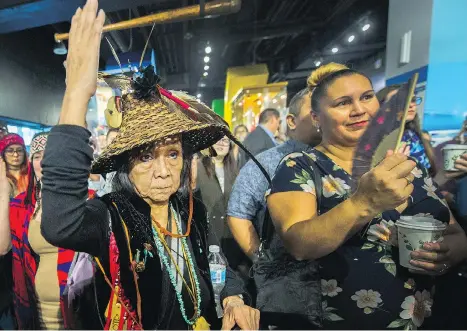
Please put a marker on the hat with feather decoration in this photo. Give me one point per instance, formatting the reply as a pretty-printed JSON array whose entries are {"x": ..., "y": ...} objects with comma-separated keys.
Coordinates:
[{"x": 150, "y": 114}]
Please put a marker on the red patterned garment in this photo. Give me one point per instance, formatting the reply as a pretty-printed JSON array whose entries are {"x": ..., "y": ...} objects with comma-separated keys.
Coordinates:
[{"x": 25, "y": 263}]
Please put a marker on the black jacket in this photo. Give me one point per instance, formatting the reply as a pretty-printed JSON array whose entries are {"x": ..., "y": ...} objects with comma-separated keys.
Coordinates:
[
  {"x": 216, "y": 202},
  {"x": 69, "y": 221},
  {"x": 256, "y": 142}
]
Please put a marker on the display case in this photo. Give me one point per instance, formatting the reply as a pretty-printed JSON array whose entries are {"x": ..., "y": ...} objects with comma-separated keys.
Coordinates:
[{"x": 249, "y": 102}]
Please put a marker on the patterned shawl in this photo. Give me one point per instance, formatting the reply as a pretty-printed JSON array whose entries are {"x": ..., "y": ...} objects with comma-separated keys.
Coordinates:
[{"x": 25, "y": 263}]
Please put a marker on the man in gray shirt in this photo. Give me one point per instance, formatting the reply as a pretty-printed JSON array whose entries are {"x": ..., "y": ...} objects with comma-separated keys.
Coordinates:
[{"x": 247, "y": 199}]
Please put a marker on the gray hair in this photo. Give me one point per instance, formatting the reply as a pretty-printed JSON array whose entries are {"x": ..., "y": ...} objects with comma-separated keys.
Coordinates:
[{"x": 297, "y": 102}]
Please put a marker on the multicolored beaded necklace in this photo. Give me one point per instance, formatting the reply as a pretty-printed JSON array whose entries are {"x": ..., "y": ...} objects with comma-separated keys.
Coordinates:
[{"x": 194, "y": 291}]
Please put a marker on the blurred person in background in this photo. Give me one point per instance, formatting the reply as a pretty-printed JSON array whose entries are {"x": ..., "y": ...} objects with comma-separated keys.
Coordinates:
[
  {"x": 38, "y": 280},
  {"x": 240, "y": 132},
  {"x": 333, "y": 243},
  {"x": 264, "y": 136},
  {"x": 215, "y": 179},
  {"x": 247, "y": 200},
  {"x": 420, "y": 148},
  {"x": 13, "y": 151},
  {"x": 3, "y": 129}
]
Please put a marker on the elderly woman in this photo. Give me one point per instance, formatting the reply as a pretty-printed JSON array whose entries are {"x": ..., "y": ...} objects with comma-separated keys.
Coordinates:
[
  {"x": 148, "y": 238},
  {"x": 323, "y": 223}
]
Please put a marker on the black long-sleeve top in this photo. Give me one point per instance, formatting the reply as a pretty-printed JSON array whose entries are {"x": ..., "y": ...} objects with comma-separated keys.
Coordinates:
[{"x": 71, "y": 221}]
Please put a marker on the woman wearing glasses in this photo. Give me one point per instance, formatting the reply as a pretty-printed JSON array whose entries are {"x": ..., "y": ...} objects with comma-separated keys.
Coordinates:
[
  {"x": 216, "y": 176},
  {"x": 13, "y": 151},
  {"x": 420, "y": 148}
]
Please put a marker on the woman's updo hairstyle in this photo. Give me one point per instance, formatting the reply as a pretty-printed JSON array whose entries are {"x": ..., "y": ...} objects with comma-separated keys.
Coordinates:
[{"x": 320, "y": 79}]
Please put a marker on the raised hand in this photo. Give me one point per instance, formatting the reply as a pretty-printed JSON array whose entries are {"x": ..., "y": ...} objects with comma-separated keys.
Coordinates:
[
  {"x": 5, "y": 186},
  {"x": 82, "y": 62},
  {"x": 84, "y": 45}
]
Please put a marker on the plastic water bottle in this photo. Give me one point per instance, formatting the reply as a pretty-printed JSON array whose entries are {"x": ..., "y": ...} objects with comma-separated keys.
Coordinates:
[{"x": 217, "y": 267}]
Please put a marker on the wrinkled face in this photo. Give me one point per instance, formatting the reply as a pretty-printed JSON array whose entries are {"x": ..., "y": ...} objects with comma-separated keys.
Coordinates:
[
  {"x": 346, "y": 109},
  {"x": 156, "y": 171},
  {"x": 36, "y": 164},
  {"x": 241, "y": 133},
  {"x": 15, "y": 155},
  {"x": 222, "y": 147}
]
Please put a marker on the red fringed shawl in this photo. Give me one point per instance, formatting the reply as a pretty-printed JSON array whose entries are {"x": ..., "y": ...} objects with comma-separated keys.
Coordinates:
[{"x": 25, "y": 263}]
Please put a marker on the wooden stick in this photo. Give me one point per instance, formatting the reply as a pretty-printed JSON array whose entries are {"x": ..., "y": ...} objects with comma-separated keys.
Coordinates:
[{"x": 217, "y": 7}]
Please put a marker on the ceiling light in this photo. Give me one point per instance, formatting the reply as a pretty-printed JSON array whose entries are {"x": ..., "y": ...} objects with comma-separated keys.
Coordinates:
[
  {"x": 208, "y": 49},
  {"x": 335, "y": 50},
  {"x": 258, "y": 102},
  {"x": 366, "y": 27},
  {"x": 283, "y": 96},
  {"x": 259, "y": 94},
  {"x": 206, "y": 67},
  {"x": 274, "y": 101},
  {"x": 198, "y": 95},
  {"x": 317, "y": 63},
  {"x": 206, "y": 59},
  {"x": 240, "y": 104},
  {"x": 60, "y": 49},
  {"x": 351, "y": 38},
  {"x": 205, "y": 74}
]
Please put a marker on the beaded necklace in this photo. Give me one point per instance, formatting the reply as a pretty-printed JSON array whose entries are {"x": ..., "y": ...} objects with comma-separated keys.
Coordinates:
[{"x": 197, "y": 293}]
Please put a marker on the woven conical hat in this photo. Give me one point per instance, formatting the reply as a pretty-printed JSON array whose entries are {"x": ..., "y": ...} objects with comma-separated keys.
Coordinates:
[{"x": 149, "y": 121}]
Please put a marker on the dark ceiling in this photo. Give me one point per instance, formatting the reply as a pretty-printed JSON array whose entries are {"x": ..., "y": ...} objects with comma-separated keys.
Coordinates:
[{"x": 288, "y": 35}]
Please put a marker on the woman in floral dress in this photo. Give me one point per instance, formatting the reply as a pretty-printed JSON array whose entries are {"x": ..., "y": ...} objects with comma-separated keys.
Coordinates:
[{"x": 351, "y": 235}]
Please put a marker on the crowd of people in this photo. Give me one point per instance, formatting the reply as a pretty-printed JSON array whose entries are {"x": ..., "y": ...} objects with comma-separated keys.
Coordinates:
[{"x": 121, "y": 240}]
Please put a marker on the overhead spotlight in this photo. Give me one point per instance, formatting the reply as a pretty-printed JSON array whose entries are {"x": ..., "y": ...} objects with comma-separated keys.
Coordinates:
[
  {"x": 258, "y": 102},
  {"x": 366, "y": 27},
  {"x": 205, "y": 74},
  {"x": 60, "y": 49},
  {"x": 259, "y": 94},
  {"x": 240, "y": 104},
  {"x": 206, "y": 59},
  {"x": 351, "y": 38},
  {"x": 335, "y": 50},
  {"x": 274, "y": 101},
  {"x": 208, "y": 49},
  {"x": 317, "y": 63},
  {"x": 198, "y": 95},
  {"x": 206, "y": 67},
  {"x": 283, "y": 96}
]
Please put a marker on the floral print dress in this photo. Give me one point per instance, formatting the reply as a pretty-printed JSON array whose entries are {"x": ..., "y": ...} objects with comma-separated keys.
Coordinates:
[{"x": 362, "y": 285}]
